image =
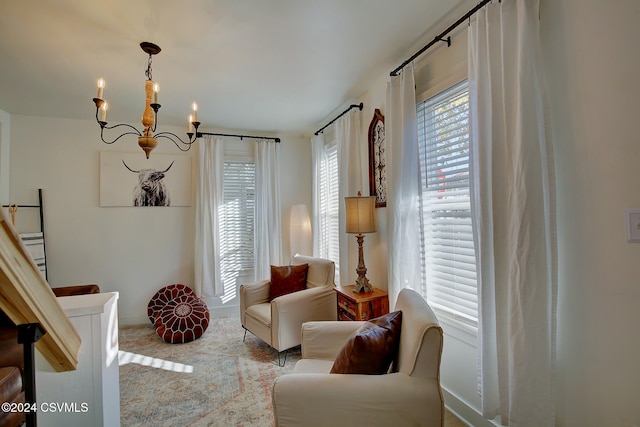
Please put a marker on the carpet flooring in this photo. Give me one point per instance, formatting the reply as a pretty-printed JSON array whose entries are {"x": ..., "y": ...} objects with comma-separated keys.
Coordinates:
[{"x": 217, "y": 380}]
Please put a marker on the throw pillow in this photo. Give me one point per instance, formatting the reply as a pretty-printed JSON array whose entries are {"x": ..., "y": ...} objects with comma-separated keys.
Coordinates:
[
  {"x": 372, "y": 348},
  {"x": 287, "y": 279}
]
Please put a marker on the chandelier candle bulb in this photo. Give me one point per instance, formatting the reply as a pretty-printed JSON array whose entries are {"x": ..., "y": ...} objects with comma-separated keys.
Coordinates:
[
  {"x": 190, "y": 124},
  {"x": 104, "y": 111},
  {"x": 100, "y": 87},
  {"x": 195, "y": 112},
  {"x": 156, "y": 89}
]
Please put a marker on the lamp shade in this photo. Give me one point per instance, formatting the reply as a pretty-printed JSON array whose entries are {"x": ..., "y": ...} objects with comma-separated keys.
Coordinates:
[{"x": 360, "y": 214}]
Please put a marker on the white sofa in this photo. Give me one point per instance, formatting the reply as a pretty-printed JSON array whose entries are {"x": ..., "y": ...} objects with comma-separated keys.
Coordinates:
[
  {"x": 279, "y": 322},
  {"x": 408, "y": 396}
]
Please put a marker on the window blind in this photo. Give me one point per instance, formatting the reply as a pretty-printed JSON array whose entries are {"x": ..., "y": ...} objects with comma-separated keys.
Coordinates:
[
  {"x": 329, "y": 208},
  {"x": 237, "y": 220},
  {"x": 449, "y": 263}
]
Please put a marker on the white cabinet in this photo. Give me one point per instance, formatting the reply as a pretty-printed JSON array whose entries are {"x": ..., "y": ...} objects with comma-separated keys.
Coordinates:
[{"x": 90, "y": 395}]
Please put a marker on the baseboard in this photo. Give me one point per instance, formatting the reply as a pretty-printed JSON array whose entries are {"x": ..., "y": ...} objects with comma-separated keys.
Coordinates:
[
  {"x": 464, "y": 412},
  {"x": 133, "y": 320},
  {"x": 233, "y": 311}
]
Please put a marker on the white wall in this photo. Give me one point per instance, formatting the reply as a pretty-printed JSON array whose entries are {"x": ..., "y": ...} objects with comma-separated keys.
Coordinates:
[
  {"x": 134, "y": 251},
  {"x": 592, "y": 67}
]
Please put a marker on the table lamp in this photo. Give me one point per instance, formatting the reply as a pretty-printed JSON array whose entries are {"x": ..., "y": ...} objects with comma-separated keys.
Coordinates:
[{"x": 360, "y": 219}]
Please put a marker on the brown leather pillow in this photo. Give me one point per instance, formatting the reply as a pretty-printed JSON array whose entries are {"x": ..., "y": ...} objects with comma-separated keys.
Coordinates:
[
  {"x": 372, "y": 348},
  {"x": 287, "y": 279}
]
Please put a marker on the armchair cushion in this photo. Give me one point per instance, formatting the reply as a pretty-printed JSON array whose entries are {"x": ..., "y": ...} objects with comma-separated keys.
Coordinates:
[
  {"x": 287, "y": 279},
  {"x": 372, "y": 348}
]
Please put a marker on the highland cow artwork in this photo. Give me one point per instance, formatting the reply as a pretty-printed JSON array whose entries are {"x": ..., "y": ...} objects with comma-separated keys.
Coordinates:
[
  {"x": 150, "y": 189},
  {"x": 128, "y": 179}
]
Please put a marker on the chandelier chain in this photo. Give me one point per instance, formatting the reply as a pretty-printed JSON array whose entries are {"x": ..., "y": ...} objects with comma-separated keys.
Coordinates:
[{"x": 148, "y": 71}]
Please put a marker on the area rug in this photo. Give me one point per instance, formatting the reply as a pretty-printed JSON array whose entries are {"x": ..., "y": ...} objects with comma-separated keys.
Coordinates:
[{"x": 217, "y": 380}]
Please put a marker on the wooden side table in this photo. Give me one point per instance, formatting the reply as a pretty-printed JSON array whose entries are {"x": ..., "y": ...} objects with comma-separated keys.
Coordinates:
[{"x": 361, "y": 306}]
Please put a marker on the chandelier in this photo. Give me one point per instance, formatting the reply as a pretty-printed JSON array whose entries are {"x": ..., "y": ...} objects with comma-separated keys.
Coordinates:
[{"x": 147, "y": 139}]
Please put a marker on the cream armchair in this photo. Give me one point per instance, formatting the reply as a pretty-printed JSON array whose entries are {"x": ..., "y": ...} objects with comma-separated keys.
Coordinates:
[
  {"x": 279, "y": 322},
  {"x": 408, "y": 396}
]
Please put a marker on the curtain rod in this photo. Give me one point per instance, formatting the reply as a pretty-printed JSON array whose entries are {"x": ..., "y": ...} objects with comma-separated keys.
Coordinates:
[
  {"x": 440, "y": 37},
  {"x": 358, "y": 106},
  {"x": 238, "y": 136}
]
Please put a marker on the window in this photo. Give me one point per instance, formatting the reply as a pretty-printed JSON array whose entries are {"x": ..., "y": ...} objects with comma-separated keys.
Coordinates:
[
  {"x": 329, "y": 207},
  {"x": 448, "y": 252},
  {"x": 237, "y": 222}
]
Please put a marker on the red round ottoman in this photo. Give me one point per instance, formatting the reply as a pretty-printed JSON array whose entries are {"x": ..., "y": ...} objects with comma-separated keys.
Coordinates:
[
  {"x": 163, "y": 296},
  {"x": 182, "y": 319}
]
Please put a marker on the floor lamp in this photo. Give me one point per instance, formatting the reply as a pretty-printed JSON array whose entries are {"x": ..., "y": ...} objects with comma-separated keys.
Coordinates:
[
  {"x": 360, "y": 219},
  {"x": 300, "y": 230}
]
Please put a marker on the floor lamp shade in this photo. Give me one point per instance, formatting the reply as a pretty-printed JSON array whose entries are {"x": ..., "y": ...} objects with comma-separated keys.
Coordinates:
[
  {"x": 360, "y": 214},
  {"x": 300, "y": 230}
]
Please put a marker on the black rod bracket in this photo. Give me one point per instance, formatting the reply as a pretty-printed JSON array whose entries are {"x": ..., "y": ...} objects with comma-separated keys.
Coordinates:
[{"x": 447, "y": 40}]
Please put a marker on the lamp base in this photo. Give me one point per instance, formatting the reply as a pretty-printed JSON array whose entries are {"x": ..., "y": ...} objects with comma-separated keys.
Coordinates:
[{"x": 362, "y": 283}]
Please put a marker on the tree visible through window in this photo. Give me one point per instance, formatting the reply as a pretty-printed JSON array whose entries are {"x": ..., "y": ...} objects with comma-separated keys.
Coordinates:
[{"x": 448, "y": 252}]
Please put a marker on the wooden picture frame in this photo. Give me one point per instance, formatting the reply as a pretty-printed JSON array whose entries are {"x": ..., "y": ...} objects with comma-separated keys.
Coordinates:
[{"x": 377, "y": 159}]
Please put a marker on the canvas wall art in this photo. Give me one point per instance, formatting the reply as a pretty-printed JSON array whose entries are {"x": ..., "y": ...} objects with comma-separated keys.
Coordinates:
[{"x": 129, "y": 179}]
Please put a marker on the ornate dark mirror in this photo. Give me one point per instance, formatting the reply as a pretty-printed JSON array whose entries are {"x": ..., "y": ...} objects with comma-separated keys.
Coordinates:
[{"x": 377, "y": 148}]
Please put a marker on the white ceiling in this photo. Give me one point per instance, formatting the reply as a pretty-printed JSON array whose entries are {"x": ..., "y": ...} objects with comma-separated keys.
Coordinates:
[{"x": 273, "y": 66}]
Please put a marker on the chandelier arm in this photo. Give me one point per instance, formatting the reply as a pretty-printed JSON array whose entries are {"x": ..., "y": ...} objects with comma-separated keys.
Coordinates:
[
  {"x": 125, "y": 133},
  {"x": 137, "y": 132},
  {"x": 175, "y": 138}
]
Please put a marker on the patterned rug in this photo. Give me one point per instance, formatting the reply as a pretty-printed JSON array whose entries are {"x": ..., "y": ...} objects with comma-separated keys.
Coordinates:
[{"x": 217, "y": 380}]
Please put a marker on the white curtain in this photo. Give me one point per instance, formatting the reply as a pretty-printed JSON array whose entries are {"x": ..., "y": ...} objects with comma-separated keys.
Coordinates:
[
  {"x": 513, "y": 205},
  {"x": 267, "y": 222},
  {"x": 350, "y": 169},
  {"x": 403, "y": 184},
  {"x": 318, "y": 157},
  {"x": 209, "y": 199}
]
